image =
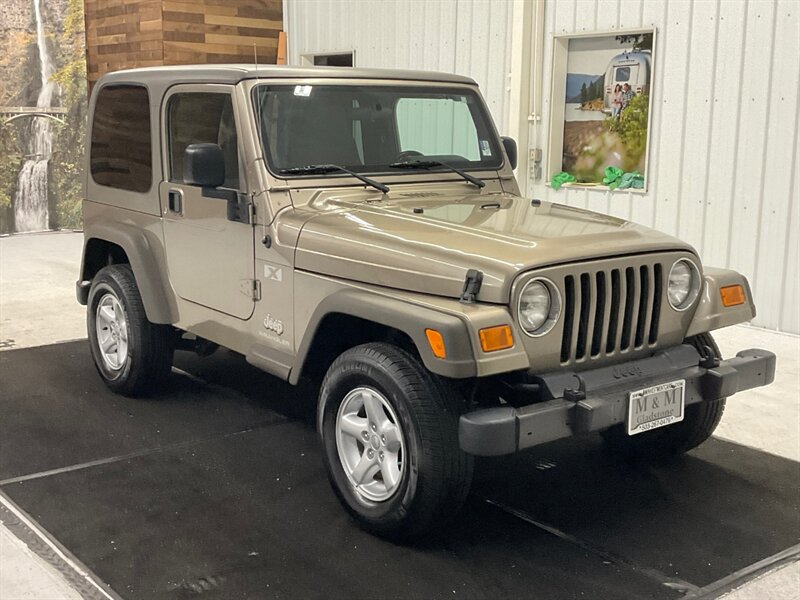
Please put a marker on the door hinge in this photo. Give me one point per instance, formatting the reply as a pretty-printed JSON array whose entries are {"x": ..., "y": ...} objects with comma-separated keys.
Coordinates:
[{"x": 251, "y": 288}]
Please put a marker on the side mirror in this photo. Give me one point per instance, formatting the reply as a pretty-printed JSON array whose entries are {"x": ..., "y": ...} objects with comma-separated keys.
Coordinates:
[
  {"x": 204, "y": 165},
  {"x": 510, "y": 146}
]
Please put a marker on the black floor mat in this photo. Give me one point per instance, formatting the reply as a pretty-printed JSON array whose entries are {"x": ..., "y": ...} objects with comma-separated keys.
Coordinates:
[{"x": 216, "y": 488}]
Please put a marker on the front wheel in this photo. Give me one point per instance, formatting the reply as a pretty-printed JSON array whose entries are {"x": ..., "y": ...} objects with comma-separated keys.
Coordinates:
[
  {"x": 698, "y": 424},
  {"x": 132, "y": 355},
  {"x": 389, "y": 432}
]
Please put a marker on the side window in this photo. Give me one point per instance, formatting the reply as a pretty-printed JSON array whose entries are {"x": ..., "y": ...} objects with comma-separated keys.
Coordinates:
[
  {"x": 437, "y": 127},
  {"x": 121, "y": 148},
  {"x": 201, "y": 117}
]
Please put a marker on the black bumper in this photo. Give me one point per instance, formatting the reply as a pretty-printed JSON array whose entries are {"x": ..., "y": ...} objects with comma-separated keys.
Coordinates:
[{"x": 597, "y": 399}]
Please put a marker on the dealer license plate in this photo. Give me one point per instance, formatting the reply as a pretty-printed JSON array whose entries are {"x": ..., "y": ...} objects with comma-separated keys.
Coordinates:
[{"x": 655, "y": 406}]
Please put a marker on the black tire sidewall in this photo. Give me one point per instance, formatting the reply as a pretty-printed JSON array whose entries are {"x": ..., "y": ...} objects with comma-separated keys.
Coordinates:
[
  {"x": 105, "y": 282},
  {"x": 350, "y": 375}
]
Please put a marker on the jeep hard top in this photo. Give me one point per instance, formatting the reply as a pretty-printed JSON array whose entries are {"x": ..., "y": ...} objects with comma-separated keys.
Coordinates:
[{"x": 363, "y": 229}]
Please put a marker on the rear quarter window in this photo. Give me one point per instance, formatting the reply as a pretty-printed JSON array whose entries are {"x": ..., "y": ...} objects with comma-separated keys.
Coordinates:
[{"x": 121, "y": 147}]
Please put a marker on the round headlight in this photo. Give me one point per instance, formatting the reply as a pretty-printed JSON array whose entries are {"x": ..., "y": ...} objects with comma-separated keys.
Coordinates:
[
  {"x": 539, "y": 305},
  {"x": 684, "y": 284}
]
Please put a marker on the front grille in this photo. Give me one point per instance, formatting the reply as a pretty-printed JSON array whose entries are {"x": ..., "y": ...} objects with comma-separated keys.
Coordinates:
[{"x": 611, "y": 311}]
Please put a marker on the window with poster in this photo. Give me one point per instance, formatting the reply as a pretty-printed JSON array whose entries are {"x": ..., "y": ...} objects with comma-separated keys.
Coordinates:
[{"x": 601, "y": 102}]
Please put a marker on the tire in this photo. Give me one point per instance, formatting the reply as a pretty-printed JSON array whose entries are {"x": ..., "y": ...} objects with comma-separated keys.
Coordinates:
[
  {"x": 138, "y": 353},
  {"x": 427, "y": 475},
  {"x": 667, "y": 442}
]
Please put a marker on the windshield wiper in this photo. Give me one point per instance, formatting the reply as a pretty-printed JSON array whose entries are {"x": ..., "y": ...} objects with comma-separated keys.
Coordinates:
[
  {"x": 428, "y": 164},
  {"x": 323, "y": 169}
]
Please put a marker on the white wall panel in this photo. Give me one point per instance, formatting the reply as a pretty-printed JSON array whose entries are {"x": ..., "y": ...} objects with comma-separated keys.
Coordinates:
[
  {"x": 723, "y": 162},
  {"x": 468, "y": 37}
]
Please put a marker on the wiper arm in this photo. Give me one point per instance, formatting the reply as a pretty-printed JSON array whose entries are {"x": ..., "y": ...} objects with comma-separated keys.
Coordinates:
[
  {"x": 428, "y": 164},
  {"x": 323, "y": 169}
]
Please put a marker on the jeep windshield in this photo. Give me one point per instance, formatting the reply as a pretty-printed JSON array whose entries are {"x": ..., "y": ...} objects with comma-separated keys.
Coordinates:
[{"x": 373, "y": 128}]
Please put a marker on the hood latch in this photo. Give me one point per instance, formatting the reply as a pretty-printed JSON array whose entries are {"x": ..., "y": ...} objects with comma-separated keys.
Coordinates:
[{"x": 472, "y": 285}]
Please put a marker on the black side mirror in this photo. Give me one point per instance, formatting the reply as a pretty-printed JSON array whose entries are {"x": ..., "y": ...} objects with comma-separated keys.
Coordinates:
[
  {"x": 510, "y": 146},
  {"x": 204, "y": 165}
]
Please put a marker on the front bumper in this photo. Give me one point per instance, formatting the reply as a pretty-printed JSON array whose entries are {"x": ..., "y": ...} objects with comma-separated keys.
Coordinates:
[{"x": 597, "y": 399}]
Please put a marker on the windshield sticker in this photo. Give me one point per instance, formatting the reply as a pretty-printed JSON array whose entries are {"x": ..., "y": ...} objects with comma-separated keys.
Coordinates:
[
  {"x": 485, "y": 149},
  {"x": 302, "y": 90}
]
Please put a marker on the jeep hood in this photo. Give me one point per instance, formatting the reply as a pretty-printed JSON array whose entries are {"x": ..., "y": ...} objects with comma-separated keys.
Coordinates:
[{"x": 426, "y": 242}]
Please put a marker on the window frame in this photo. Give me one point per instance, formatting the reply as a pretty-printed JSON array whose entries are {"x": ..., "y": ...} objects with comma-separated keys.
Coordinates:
[
  {"x": 164, "y": 131},
  {"x": 308, "y": 59},
  {"x": 555, "y": 128}
]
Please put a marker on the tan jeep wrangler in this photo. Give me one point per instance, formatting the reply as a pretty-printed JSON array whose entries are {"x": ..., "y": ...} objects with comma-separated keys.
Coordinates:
[{"x": 363, "y": 228}]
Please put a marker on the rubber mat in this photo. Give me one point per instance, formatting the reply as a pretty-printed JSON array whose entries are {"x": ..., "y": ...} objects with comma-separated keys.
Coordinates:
[{"x": 215, "y": 488}]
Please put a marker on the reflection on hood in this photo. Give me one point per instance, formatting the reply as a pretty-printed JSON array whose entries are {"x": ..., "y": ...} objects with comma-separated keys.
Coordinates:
[{"x": 426, "y": 241}]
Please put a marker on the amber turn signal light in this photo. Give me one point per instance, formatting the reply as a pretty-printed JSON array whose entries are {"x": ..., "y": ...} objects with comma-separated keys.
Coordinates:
[
  {"x": 732, "y": 295},
  {"x": 436, "y": 342},
  {"x": 496, "y": 338}
]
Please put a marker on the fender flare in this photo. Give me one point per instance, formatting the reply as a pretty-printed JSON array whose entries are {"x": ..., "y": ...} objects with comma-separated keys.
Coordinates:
[
  {"x": 146, "y": 256},
  {"x": 407, "y": 317},
  {"x": 710, "y": 313}
]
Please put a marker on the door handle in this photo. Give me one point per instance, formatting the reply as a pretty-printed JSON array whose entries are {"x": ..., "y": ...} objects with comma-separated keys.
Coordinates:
[{"x": 175, "y": 201}]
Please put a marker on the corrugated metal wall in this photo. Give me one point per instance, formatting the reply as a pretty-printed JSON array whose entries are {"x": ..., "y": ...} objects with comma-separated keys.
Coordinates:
[
  {"x": 468, "y": 37},
  {"x": 724, "y": 162}
]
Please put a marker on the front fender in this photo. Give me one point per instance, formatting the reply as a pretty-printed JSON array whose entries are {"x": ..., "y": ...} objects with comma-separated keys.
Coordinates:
[
  {"x": 711, "y": 314},
  {"x": 410, "y": 318}
]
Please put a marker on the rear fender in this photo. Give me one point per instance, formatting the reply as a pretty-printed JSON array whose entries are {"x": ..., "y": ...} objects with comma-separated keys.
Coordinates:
[{"x": 146, "y": 256}]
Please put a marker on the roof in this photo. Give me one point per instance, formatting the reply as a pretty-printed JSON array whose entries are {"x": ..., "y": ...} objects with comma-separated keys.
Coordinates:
[{"x": 234, "y": 73}]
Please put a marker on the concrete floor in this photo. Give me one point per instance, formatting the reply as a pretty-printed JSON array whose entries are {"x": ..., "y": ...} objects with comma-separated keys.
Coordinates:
[
  {"x": 37, "y": 289},
  {"x": 37, "y": 307},
  {"x": 25, "y": 576},
  {"x": 767, "y": 418}
]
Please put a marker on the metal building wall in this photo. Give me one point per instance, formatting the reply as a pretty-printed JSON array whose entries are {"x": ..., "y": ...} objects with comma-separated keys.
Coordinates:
[
  {"x": 724, "y": 167},
  {"x": 468, "y": 37},
  {"x": 723, "y": 162}
]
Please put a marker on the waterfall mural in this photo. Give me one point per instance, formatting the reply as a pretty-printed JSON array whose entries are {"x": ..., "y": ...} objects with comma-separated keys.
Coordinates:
[
  {"x": 31, "y": 201},
  {"x": 43, "y": 105}
]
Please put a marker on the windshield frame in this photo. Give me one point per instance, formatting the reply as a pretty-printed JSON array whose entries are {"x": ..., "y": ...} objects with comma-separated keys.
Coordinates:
[{"x": 428, "y": 174}]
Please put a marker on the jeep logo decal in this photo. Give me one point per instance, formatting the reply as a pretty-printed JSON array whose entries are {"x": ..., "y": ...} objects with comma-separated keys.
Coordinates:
[
  {"x": 623, "y": 371},
  {"x": 273, "y": 325}
]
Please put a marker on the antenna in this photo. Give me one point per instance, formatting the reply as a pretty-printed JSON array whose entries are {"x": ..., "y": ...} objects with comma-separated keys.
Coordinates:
[
  {"x": 258, "y": 80},
  {"x": 265, "y": 237},
  {"x": 258, "y": 95}
]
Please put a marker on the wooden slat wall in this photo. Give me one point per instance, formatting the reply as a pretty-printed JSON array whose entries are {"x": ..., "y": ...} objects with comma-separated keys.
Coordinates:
[
  {"x": 123, "y": 34},
  {"x": 221, "y": 31}
]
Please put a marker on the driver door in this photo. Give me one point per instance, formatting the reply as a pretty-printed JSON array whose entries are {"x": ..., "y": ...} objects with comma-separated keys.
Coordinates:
[{"x": 210, "y": 258}]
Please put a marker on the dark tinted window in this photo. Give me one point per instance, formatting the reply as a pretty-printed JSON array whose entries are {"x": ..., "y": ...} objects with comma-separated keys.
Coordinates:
[
  {"x": 334, "y": 60},
  {"x": 196, "y": 118},
  {"x": 121, "y": 152}
]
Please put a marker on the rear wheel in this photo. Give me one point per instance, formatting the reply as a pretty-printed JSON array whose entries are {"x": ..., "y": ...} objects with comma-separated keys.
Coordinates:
[
  {"x": 697, "y": 426},
  {"x": 389, "y": 432},
  {"x": 132, "y": 355}
]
